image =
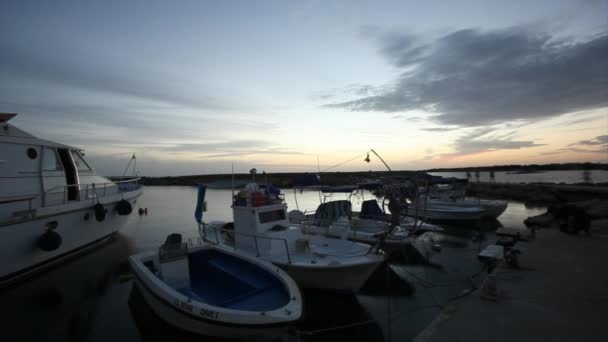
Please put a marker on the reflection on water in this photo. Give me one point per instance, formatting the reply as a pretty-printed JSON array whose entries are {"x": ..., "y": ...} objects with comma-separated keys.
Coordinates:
[
  {"x": 90, "y": 299},
  {"x": 64, "y": 303}
]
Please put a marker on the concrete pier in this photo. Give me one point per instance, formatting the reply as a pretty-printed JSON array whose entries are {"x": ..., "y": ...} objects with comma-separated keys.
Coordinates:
[{"x": 560, "y": 294}]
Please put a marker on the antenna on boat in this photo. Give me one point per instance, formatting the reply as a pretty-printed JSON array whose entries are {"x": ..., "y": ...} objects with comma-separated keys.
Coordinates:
[
  {"x": 232, "y": 184},
  {"x": 134, "y": 161},
  {"x": 319, "y": 175}
]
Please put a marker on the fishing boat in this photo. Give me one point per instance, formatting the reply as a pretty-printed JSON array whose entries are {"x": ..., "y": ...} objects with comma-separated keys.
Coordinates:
[
  {"x": 451, "y": 193},
  {"x": 438, "y": 211},
  {"x": 208, "y": 290},
  {"x": 261, "y": 229},
  {"x": 492, "y": 209},
  {"x": 52, "y": 203},
  {"x": 336, "y": 219}
]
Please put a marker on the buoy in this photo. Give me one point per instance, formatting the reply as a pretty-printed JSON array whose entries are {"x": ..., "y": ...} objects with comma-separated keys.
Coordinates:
[
  {"x": 146, "y": 211},
  {"x": 100, "y": 212},
  {"x": 140, "y": 211},
  {"x": 49, "y": 241},
  {"x": 123, "y": 207}
]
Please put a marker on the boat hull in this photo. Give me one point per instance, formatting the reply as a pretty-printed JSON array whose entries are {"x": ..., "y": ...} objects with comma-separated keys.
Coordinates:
[
  {"x": 342, "y": 279},
  {"x": 178, "y": 319},
  {"x": 445, "y": 214},
  {"x": 76, "y": 226},
  {"x": 194, "y": 312}
]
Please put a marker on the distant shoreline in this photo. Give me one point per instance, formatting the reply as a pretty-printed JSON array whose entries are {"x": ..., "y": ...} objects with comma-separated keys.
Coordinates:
[
  {"x": 285, "y": 180},
  {"x": 530, "y": 167}
]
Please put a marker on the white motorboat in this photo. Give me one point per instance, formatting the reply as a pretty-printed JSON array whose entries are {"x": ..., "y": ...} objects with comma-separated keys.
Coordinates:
[
  {"x": 335, "y": 219},
  {"x": 431, "y": 210},
  {"x": 213, "y": 291},
  {"x": 52, "y": 204},
  {"x": 452, "y": 193},
  {"x": 261, "y": 229}
]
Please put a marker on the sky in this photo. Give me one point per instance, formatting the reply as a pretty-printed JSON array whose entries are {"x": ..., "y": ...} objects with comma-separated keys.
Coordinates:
[{"x": 195, "y": 87}]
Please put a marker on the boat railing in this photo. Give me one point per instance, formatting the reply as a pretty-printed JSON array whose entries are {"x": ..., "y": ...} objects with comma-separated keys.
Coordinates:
[
  {"x": 89, "y": 191},
  {"x": 203, "y": 230}
]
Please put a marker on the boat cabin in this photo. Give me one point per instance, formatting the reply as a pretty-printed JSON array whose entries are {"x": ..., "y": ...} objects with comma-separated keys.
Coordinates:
[
  {"x": 262, "y": 214},
  {"x": 38, "y": 173}
]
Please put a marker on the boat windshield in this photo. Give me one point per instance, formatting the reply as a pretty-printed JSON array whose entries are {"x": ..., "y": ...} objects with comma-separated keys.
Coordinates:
[
  {"x": 81, "y": 164},
  {"x": 272, "y": 216}
]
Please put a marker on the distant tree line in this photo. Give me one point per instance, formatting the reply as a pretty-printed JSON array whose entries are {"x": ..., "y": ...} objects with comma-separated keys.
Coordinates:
[{"x": 530, "y": 167}]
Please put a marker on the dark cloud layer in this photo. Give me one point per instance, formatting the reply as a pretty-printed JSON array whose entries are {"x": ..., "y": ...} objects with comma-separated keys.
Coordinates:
[{"x": 473, "y": 77}]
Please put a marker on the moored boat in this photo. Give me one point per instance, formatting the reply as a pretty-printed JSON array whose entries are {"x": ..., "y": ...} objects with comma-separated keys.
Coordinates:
[
  {"x": 52, "y": 203},
  {"x": 335, "y": 219},
  {"x": 208, "y": 290},
  {"x": 261, "y": 228}
]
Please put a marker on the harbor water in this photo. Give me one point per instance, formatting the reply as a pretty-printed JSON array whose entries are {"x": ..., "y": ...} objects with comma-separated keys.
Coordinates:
[{"x": 91, "y": 297}]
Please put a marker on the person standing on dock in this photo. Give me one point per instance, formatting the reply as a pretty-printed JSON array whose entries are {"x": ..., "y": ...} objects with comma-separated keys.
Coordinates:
[
  {"x": 492, "y": 179},
  {"x": 477, "y": 176}
]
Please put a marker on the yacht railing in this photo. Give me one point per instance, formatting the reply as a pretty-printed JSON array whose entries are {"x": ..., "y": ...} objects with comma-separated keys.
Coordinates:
[
  {"x": 12, "y": 208},
  {"x": 203, "y": 231},
  {"x": 91, "y": 190}
]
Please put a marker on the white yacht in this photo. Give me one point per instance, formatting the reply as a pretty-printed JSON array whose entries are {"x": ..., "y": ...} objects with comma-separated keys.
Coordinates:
[
  {"x": 52, "y": 204},
  {"x": 261, "y": 228}
]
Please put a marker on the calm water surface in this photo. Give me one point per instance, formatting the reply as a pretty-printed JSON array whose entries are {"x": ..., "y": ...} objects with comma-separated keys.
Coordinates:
[{"x": 91, "y": 298}]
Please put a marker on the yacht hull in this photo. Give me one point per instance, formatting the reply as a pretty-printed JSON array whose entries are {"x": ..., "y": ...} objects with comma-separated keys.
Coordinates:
[{"x": 75, "y": 224}]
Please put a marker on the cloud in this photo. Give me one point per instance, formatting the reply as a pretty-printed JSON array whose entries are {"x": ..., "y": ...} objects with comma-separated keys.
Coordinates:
[
  {"x": 87, "y": 67},
  {"x": 231, "y": 148},
  {"x": 484, "y": 140},
  {"x": 439, "y": 129},
  {"x": 599, "y": 140},
  {"x": 474, "y": 78}
]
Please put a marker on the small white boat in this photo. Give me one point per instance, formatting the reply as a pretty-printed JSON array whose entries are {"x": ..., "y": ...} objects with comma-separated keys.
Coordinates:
[
  {"x": 492, "y": 208},
  {"x": 443, "y": 211},
  {"x": 261, "y": 229},
  {"x": 335, "y": 219},
  {"x": 52, "y": 203},
  {"x": 451, "y": 193},
  {"x": 212, "y": 291}
]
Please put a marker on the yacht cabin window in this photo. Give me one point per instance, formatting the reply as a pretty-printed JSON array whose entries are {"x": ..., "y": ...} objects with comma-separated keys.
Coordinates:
[
  {"x": 81, "y": 165},
  {"x": 50, "y": 162}
]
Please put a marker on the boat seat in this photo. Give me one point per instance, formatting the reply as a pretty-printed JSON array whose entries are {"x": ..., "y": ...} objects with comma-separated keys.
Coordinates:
[
  {"x": 328, "y": 212},
  {"x": 371, "y": 210},
  {"x": 248, "y": 275}
]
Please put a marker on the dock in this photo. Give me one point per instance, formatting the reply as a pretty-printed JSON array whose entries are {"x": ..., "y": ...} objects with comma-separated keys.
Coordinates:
[{"x": 559, "y": 294}]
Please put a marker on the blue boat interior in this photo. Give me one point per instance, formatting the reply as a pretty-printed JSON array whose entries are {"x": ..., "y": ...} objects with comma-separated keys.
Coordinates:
[{"x": 226, "y": 281}]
